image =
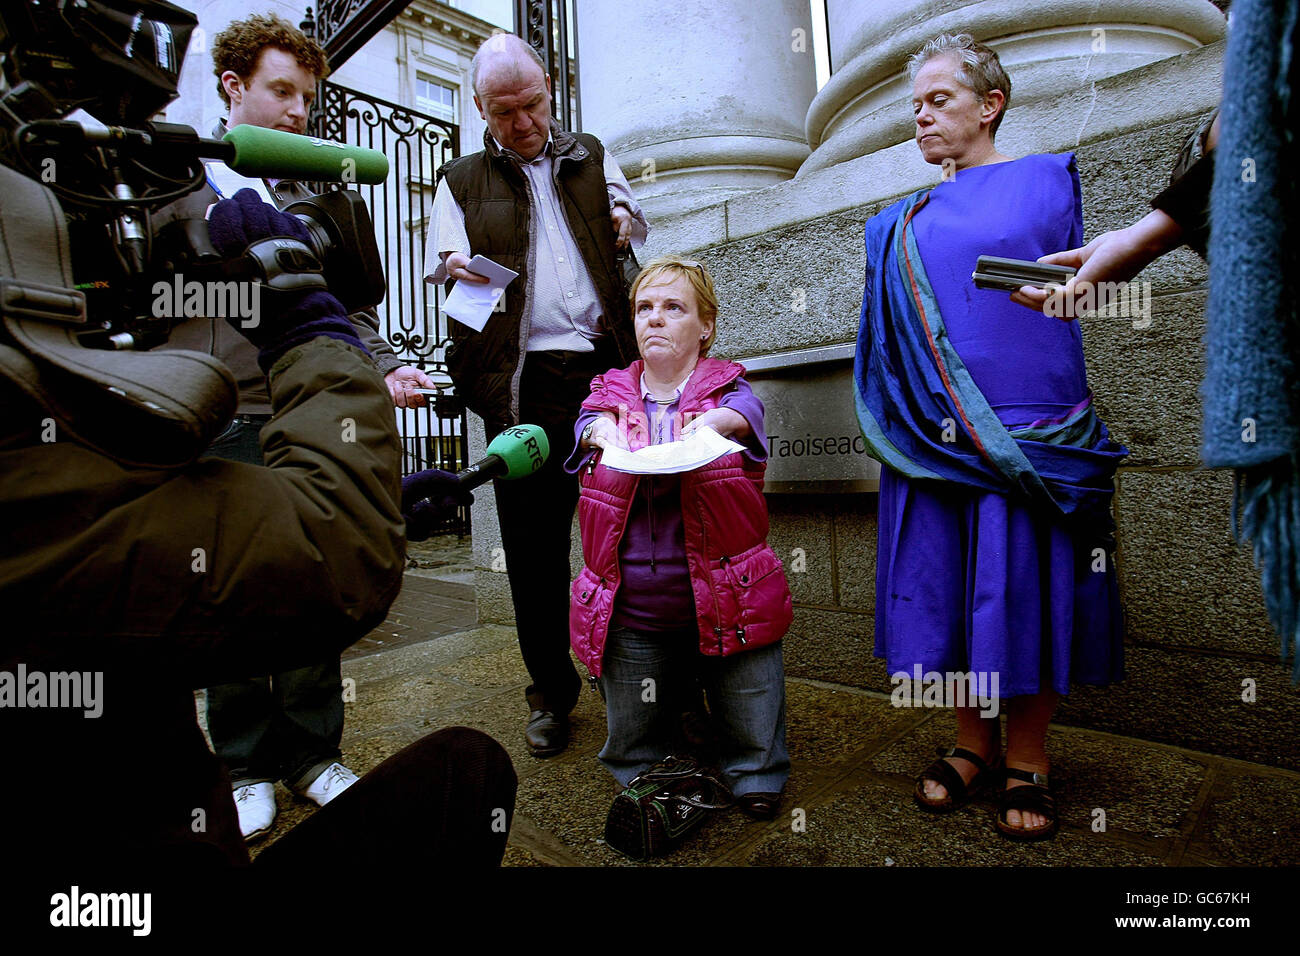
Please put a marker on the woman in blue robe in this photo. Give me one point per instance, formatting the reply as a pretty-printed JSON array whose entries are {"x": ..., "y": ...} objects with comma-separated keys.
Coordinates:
[{"x": 995, "y": 555}]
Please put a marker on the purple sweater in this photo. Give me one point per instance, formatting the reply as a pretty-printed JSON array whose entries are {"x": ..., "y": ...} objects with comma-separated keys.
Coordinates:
[{"x": 655, "y": 594}]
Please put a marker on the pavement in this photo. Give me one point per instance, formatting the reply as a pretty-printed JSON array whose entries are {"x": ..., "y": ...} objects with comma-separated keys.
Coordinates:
[{"x": 1126, "y": 801}]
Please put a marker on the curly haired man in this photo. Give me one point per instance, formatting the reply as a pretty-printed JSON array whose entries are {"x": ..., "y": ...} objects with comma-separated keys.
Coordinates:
[{"x": 286, "y": 726}]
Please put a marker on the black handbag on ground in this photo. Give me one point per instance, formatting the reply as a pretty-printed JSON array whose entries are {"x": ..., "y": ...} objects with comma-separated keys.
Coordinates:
[{"x": 663, "y": 804}]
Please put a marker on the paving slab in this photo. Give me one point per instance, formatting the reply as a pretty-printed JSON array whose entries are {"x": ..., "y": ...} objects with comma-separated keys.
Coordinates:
[
  {"x": 392, "y": 700},
  {"x": 1125, "y": 801},
  {"x": 424, "y": 608},
  {"x": 826, "y": 725},
  {"x": 874, "y": 824},
  {"x": 1251, "y": 819},
  {"x": 1123, "y": 784}
]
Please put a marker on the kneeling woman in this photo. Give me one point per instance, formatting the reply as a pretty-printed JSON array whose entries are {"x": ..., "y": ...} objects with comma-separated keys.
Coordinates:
[{"x": 680, "y": 584}]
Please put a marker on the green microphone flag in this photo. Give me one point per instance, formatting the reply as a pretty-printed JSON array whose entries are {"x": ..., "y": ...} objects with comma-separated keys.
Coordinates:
[
  {"x": 523, "y": 448},
  {"x": 274, "y": 154}
]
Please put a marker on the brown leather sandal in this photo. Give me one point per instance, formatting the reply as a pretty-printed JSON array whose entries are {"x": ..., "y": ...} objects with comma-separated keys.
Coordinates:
[
  {"x": 960, "y": 792},
  {"x": 1036, "y": 798}
]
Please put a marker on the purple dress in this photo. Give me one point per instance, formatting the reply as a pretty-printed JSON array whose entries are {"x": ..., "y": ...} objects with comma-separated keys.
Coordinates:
[{"x": 969, "y": 580}]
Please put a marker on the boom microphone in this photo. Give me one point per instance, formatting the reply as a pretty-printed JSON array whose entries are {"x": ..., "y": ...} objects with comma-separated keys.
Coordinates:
[
  {"x": 516, "y": 453},
  {"x": 274, "y": 154},
  {"x": 248, "y": 150}
]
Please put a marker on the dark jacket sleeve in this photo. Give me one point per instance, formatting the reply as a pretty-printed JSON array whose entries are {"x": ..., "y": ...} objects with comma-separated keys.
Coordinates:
[
  {"x": 743, "y": 400},
  {"x": 366, "y": 323},
  {"x": 221, "y": 569},
  {"x": 1186, "y": 199},
  {"x": 579, "y": 457},
  {"x": 206, "y": 334}
]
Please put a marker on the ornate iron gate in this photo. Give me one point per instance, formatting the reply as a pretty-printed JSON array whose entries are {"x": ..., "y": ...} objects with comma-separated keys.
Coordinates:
[
  {"x": 410, "y": 315},
  {"x": 545, "y": 25}
]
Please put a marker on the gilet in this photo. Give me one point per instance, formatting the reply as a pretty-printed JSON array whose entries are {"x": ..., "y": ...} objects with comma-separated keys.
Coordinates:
[
  {"x": 742, "y": 600},
  {"x": 494, "y": 195}
]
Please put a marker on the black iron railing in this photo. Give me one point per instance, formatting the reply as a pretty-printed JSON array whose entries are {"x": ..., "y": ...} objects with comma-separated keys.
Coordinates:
[
  {"x": 342, "y": 27},
  {"x": 411, "y": 318},
  {"x": 545, "y": 25}
]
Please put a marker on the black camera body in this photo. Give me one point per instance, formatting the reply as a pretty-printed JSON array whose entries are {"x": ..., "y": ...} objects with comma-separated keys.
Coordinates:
[
  {"x": 340, "y": 243},
  {"x": 120, "y": 60},
  {"x": 340, "y": 255}
]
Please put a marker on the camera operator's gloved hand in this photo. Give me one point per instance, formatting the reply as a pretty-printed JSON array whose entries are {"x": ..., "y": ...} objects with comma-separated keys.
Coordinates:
[
  {"x": 236, "y": 223},
  {"x": 429, "y": 497}
]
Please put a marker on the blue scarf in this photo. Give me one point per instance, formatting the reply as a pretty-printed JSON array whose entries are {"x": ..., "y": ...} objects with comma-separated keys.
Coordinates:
[
  {"x": 1252, "y": 386},
  {"x": 912, "y": 387}
]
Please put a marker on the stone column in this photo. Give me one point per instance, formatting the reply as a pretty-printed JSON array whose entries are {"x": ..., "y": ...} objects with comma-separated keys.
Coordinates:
[
  {"x": 701, "y": 99},
  {"x": 1046, "y": 46}
]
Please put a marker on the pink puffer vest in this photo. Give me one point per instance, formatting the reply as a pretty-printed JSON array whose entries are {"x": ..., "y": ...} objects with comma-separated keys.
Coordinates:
[{"x": 742, "y": 600}]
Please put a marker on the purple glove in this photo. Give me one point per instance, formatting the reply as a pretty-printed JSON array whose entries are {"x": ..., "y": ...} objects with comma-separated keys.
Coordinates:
[
  {"x": 237, "y": 223},
  {"x": 233, "y": 226},
  {"x": 428, "y": 498}
]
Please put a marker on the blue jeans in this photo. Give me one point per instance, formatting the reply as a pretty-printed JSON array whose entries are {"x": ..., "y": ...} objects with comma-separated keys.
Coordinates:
[{"x": 746, "y": 694}]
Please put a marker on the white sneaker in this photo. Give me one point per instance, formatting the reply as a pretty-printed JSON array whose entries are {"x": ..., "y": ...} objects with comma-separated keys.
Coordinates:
[
  {"x": 333, "y": 780},
  {"x": 256, "y": 805}
]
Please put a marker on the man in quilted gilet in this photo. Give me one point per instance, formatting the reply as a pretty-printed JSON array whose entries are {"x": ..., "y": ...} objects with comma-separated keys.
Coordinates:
[{"x": 553, "y": 207}]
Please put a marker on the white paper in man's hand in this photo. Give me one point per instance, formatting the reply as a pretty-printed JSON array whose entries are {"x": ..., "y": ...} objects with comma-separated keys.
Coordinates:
[
  {"x": 670, "y": 458},
  {"x": 472, "y": 303}
]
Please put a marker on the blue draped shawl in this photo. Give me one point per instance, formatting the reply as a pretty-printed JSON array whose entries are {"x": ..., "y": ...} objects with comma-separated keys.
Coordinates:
[{"x": 922, "y": 415}]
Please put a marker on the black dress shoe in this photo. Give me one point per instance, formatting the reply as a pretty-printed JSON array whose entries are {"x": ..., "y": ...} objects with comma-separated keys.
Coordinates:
[
  {"x": 759, "y": 806},
  {"x": 547, "y": 734}
]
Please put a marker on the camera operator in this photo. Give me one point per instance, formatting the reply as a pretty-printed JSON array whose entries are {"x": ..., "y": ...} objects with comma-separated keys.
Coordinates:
[
  {"x": 132, "y": 572},
  {"x": 288, "y": 725}
]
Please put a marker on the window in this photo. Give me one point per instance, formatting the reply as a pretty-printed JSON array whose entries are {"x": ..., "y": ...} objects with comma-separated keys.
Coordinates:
[{"x": 436, "y": 99}]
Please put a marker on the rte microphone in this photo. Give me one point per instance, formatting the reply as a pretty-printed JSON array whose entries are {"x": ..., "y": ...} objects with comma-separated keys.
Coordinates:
[
  {"x": 274, "y": 154},
  {"x": 249, "y": 150},
  {"x": 516, "y": 453}
]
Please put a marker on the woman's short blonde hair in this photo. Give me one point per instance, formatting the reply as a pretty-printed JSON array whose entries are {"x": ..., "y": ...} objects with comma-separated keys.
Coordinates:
[{"x": 667, "y": 268}]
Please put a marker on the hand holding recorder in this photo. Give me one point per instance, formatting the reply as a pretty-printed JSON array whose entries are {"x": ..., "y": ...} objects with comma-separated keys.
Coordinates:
[{"x": 431, "y": 496}]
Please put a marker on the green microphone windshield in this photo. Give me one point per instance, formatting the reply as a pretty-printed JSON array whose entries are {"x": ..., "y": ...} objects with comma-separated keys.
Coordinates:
[
  {"x": 523, "y": 448},
  {"x": 274, "y": 154}
]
